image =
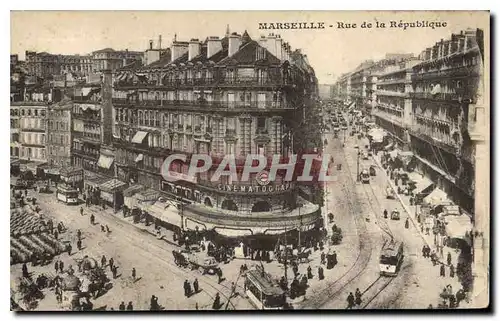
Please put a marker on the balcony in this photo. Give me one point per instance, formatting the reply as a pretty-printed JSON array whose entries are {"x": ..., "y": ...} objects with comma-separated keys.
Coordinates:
[
  {"x": 85, "y": 154},
  {"x": 438, "y": 96},
  {"x": 391, "y": 93},
  {"x": 87, "y": 117},
  {"x": 261, "y": 131},
  {"x": 200, "y": 105},
  {"x": 462, "y": 71}
]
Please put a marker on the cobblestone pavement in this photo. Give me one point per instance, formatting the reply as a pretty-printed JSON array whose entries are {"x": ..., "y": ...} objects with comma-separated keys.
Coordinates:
[{"x": 130, "y": 247}]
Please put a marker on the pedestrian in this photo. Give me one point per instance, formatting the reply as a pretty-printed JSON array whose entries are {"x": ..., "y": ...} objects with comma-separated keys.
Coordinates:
[
  {"x": 452, "y": 271},
  {"x": 448, "y": 258},
  {"x": 56, "y": 266},
  {"x": 321, "y": 274},
  {"x": 130, "y": 307},
  {"x": 407, "y": 223},
  {"x": 452, "y": 301},
  {"x": 56, "y": 234},
  {"x": 334, "y": 258},
  {"x": 309, "y": 272},
  {"x": 81, "y": 211},
  {"x": 216, "y": 304},
  {"x": 103, "y": 261},
  {"x": 102, "y": 228},
  {"x": 295, "y": 270},
  {"x": 25, "y": 270},
  {"x": 61, "y": 266},
  {"x": 358, "y": 297},
  {"x": 122, "y": 306},
  {"x": 424, "y": 250},
  {"x": 442, "y": 271},
  {"x": 79, "y": 244},
  {"x": 385, "y": 213},
  {"x": 69, "y": 248},
  {"x": 114, "y": 270},
  {"x": 430, "y": 307},
  {"x": 460, "y": 296},
  {"x": 219, "y": 274},
  {"x": 92, "y": 219},
  {"x": 152, "y": 304},
  {"x": 185, "y": 286},
  {"x": 107, "y": 229},
  {"x": 196, "y": 286},
  {"x": 350, "y": 301},
  {"x": 111, "y": 264},
  {"x": 79, "y": 234},
  {"x": 133, "y": 274},
  {"x": 25, "y": 192},
  {"x": 323, "y": 258}
]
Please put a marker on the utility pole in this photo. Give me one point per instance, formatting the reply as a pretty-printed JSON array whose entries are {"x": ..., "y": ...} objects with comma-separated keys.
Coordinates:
[
  {"x": 286, "y": 258},
  {"x": 357, "y": 177},
  {"x": 300, "y": 229}
]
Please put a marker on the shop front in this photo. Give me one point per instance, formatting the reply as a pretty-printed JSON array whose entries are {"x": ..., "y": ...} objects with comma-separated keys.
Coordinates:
[
  {"x": 73, "y": 176},
  {"x": 112, "y": 193}
]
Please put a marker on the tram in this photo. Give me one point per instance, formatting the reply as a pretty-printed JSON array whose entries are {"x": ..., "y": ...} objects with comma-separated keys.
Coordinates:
[
  {"x": 67, "y": 194},
  {"x": 263, "y": 292},
  {"x": 365, "y": 176},
  {"x": 391, "y": 258}
]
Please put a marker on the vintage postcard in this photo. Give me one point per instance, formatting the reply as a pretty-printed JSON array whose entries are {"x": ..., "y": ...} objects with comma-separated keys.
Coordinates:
[{"x": 232, "y": 160}]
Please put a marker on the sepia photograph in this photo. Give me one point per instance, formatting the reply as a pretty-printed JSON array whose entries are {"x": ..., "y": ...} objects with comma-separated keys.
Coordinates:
[{"x": 249, "y": 160}]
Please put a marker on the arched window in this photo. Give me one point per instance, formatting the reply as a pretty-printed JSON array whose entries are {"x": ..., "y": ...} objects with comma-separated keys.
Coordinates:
[
  {"x": 261, "y": 206},
  {"x": 141, "y": 119},
  {"x": 208, "y": 202},
  {"x": 229, "y": 205}
]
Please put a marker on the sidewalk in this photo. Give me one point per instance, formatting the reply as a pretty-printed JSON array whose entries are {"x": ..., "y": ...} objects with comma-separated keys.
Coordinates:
[{"x": 428, "y": 239}]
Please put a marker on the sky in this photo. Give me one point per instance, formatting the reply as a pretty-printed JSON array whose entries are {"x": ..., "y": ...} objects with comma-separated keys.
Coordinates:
[{"x": 331, "y": 51}]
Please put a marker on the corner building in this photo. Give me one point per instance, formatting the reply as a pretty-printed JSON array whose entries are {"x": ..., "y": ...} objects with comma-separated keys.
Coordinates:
[{"x": 223, "y": 96}]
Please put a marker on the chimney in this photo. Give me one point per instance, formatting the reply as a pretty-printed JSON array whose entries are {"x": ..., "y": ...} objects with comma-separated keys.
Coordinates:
[
  {"x": 271, "y": 44},
  {"x": 214, "y": 45},
  {"x": 194, "y": 49},
  {"x": 150, "y": 44},
  {"x": 159, "y": 42},
  {"x": 178, "y": 49},
  {"x": 279, "y": 48},
  {"x": 234, "y": 43}
]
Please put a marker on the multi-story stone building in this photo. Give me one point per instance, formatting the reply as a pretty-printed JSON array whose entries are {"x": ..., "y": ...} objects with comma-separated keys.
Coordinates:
[
  {"x": 76, "y": 64},
  {"x": 393, "y": 108},
  {"x": 42, "y": 64},
  {"x": 87, "y": 127},
  {"x": 32, "y": 129},
  {"x": 223, "y": 96},
  {"x": 445, "y": 84},
  {"x": 15, "y": 128},
  {"x": 110, "y": 59},
  {"x": 58, "y": 145}
]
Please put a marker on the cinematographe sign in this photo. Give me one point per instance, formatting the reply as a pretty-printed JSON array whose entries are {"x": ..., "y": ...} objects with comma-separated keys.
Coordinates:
[{"x": 255, "y": 188}]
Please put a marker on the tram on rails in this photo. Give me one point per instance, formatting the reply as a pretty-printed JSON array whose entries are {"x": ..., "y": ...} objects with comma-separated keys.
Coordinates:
[
  {"x": 263, "y": 292},
  {"x": 391, "y": 258},
  {"x": 365, "y": 176},
  {"x": 67, "y": 194}
]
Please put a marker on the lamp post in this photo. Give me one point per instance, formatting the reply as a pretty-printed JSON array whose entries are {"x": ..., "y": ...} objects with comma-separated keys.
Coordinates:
[{"x": 300, "y": 228}]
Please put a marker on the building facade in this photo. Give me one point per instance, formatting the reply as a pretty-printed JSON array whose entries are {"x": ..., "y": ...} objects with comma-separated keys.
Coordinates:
[
  {"x": 76, "y": 64},
  {"x": 58, "y": 145},
  {"x": 110, "y": 59},
  {"x": 393, "y": 107},
  {"x": 15, "y": 130},
  {"x": 42, "y": 64},
  {"x": 32, "y": 130},
  {"x": 223, "y": 96},
  {"x": 87, "y": 127},
  {"x": 445, "y": 84}
]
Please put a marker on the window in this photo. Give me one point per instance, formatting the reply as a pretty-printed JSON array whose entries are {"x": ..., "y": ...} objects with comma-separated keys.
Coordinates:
[{"x": 261, "y": 122}]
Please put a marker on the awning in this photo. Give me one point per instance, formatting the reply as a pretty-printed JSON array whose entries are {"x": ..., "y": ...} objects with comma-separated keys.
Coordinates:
[
  {"x": 53, "y": 171},
  {"x": 148, "y": 195},
  {"x": 423, "y": 184},
  {"x": 14, "y": 162},
  {"x": 451, "y": 210},
  {"x": 68, "y": 171},
  {"x": 94, "y": 180},
  {"x": 165, "y": 212},
  {"x": 113, "y": 185},
  {"x": 139, "y": 158},
  {"x": 139, "y": 137},
  {"x": 437, "y": 197},
  {"x": 131, "y": 190},
  {"x": 457, "y": 226},
  {"x": 105, "y": 161}
]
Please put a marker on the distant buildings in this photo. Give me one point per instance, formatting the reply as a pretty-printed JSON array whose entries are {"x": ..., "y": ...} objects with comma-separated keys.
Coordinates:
[{"x": 427, "y": 104}]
